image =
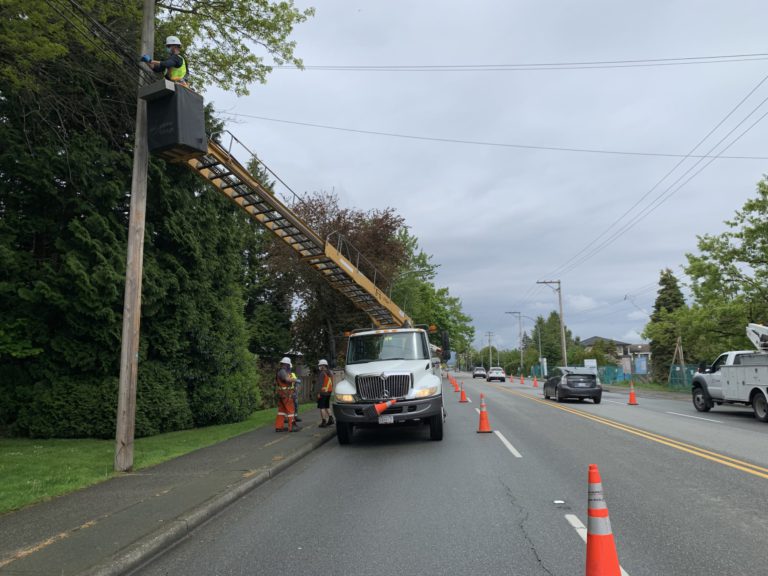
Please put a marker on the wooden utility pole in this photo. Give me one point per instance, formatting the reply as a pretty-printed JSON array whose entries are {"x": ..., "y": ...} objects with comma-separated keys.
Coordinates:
[{"x": 129, "y": 352}]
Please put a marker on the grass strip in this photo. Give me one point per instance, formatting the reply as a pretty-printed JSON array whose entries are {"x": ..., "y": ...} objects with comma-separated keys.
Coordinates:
[{"x": 33, "y": 470}]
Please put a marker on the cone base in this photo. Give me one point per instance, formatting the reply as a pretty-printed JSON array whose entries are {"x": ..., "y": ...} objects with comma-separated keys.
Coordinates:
[
  {"x": 485, "y": 431},
  {"x": 463, "y": 401}
]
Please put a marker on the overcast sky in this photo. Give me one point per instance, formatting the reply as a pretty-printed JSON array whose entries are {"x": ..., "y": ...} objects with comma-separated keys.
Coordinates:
[{"x": 497, "y": 219}]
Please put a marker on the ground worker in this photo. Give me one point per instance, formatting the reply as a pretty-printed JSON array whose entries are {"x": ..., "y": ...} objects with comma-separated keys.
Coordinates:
[
  {"x": 175, "y": 66},
  {"x": 325, "y": 389},
  {"x": 284, "y": 389}
]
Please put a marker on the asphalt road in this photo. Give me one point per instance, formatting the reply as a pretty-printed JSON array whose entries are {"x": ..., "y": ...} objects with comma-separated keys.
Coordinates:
[{"x": 394, "y": 502}]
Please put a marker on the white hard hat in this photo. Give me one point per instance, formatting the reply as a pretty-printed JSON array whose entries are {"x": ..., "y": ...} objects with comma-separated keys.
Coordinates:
[
  {"x": 172, "y": 41},
  {"x": 323, "y": 363},
  {"x": 286, "y": 360}
]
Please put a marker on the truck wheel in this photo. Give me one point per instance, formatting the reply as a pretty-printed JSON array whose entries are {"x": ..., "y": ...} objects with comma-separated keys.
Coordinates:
[
  {"x": 436, "y": 427},
  {"x": 344, "y": 432},
  {"x": 701, "y": 400},
  {"x": 760, "y": 406}
]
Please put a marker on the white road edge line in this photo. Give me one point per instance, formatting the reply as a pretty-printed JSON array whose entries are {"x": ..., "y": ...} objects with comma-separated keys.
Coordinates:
[
  {"x": 696, "y": 417},
  {"x": 581, "y": 530},
  {"x": 506, "y": 443},
  {"x": 477, "y": 410},
  {"x": 615, "y": 402}
]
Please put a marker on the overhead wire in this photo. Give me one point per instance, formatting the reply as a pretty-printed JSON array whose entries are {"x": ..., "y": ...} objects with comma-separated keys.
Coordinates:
[
  {"x": 484, "y": 143},
  {"x": 536, "y": 66}
]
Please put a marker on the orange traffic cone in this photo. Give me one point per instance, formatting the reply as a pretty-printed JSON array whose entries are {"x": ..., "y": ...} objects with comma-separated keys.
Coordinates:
[
  {"x": 632, "y": 397},
  {"x": 522, "y": 380},
  {"x": 602, "y": 559},
  {"x": 463, "y": 396},
  {"x": 535, "y": 382},
  {"x": 484, "y": 427},
  {"x": 511, "y": 378},
  {"x": 377, "y": 409},
  {"x": 455, "y": 385}
]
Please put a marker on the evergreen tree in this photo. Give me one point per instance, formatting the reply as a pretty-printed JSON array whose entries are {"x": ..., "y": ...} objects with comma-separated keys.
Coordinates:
[{"x": 662, "y": 330}]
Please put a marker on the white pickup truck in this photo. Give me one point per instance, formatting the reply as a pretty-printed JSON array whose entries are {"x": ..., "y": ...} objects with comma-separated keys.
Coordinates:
[{"x": 737, "y": 377}]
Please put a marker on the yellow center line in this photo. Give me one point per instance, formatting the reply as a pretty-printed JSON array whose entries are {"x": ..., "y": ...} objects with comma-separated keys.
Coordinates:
[{"x": 741, "y": 465}]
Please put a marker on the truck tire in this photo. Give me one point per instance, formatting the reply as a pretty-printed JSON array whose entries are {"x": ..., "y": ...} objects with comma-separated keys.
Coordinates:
[
  {"x": 344, "y": 432},
  {"x": 701, "y": 400},
  {"x": 436, "y": 427},
  {"x": 760, "y": 406}
]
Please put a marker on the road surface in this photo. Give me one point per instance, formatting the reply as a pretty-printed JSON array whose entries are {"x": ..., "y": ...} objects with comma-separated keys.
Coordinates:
[{"x": 686, "y": 495}]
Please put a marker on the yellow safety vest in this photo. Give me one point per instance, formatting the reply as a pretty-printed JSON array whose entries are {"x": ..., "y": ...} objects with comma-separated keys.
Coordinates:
[{"x": 178, "y": 74}]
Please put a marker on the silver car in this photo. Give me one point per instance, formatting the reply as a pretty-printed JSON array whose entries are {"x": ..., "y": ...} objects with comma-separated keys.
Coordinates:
[{"x": 496, "y": 373}]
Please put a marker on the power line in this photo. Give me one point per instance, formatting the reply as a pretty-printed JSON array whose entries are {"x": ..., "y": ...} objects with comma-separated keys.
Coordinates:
[
  {"x": 585, "y": 253},
  {"x": 537, "y": 66},
  {"x": 486, "y": 143}
]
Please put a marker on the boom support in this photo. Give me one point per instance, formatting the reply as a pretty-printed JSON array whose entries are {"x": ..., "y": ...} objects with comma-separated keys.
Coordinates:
[{"x": 337, "y": 261}]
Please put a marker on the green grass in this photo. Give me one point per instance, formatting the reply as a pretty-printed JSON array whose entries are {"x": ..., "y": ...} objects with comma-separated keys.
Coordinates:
[{"x": 36, "y": 470}]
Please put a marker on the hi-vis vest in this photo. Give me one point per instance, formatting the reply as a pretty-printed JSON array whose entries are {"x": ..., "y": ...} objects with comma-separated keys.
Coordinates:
[
  {"x": 282, "y": 385},
  {"x": 327, "y": 387},
  {"x": 177, "y": 74}
]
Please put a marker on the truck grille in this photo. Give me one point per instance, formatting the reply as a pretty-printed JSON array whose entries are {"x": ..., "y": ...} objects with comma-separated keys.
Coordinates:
[{"x": 383, "y": 386}]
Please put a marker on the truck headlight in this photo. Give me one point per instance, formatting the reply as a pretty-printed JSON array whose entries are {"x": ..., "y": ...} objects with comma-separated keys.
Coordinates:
[
  {"x": 424, "y": 392},
  {"x": 345, "y": 398}
]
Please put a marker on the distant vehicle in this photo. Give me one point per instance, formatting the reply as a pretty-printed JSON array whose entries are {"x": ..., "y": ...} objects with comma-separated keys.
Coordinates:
[
  {"x": 496, "y": 373},
  {"x": 736, "y": 377},
  {"x": 574, "y": 382},
  {"x": 478, "y": 372}
]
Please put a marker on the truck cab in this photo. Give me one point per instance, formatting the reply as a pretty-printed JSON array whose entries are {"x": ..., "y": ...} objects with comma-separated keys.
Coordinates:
[
  {"x": 711, "y": 380},
  {"x": 385, "y": 365}
]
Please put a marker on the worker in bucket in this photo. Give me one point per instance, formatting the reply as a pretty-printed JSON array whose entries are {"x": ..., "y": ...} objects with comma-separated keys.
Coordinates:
[
  {"x": 284, "y": 386},
  {"x": 175, "y": 66},
  {"x": 325, "y": 389}
]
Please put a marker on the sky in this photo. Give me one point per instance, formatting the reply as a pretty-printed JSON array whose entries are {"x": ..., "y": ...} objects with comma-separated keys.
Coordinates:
[{"x": 497, "y": 219}]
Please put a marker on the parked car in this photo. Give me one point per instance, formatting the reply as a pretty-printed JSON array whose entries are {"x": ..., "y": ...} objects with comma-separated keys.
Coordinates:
[
  {"x": 576, "y": 383},
  {"x": 496, "y": 373},
  {"x": 478, "y": 372}
]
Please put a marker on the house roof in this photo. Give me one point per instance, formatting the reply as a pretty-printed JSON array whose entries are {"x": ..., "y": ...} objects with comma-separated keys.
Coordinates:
[{"x": 592, "y": 340}]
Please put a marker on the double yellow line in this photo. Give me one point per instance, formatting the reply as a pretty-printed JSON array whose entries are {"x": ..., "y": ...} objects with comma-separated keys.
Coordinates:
[{"x": 741, "y": 465}]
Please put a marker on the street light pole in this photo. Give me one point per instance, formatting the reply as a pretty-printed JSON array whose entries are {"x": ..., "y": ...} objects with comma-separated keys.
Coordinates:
[{"x": 562, "y": 320}]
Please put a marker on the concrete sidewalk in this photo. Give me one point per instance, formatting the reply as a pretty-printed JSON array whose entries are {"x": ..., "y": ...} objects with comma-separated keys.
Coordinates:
[{"x": 115, "y": 526}]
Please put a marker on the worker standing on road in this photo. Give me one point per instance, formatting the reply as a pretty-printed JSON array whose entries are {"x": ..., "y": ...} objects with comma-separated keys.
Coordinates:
[
  {"x": 284, "y": 388},
  {"x": 175, "y": 66},
  {"x": 325, "y": 389}
]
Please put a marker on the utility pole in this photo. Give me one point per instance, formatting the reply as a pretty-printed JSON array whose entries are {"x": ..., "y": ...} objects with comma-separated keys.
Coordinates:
[
  {"x": 129, "y": 352},
  {"x": 490, "y": 357},
  {"x": 562, "y": 320}
]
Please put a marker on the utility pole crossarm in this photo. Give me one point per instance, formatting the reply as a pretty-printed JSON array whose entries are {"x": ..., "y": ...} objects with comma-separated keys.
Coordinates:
[{"x": 562, "y": 320}]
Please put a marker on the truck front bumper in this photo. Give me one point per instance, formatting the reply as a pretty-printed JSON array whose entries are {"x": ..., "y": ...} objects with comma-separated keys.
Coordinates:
[{"x": 402, "y": 411}]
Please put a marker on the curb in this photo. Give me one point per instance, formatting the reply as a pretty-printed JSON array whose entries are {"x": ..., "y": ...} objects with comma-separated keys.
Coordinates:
[{"x": 149, "y": 546}]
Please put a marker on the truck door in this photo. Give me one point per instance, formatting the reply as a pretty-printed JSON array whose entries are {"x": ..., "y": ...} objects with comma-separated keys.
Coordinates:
[{"x": 716, "y": 377}]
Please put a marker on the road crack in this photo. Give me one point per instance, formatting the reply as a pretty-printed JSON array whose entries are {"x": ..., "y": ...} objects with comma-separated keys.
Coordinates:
[{"x": 522, "y": 518}]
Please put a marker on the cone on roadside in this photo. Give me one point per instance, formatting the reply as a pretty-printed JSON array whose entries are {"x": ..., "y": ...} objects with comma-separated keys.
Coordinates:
[
  {"x": 463, "y": 396},
  {"x": 378, "y": 409},
  {"x": 485, "y": 426},
  {"x": 602, "y": 559},
  {"x": 632, "y": 397},
  {"x": 535, "y": 382},
  {"x": 522, "y": 380}
]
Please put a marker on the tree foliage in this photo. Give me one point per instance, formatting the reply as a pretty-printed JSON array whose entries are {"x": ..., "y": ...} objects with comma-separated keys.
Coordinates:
[{"x": 663, "y": 329}]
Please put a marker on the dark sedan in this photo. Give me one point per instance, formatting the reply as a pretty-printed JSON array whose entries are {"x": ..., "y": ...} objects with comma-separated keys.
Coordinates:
[{"x": 574, "y": 383}]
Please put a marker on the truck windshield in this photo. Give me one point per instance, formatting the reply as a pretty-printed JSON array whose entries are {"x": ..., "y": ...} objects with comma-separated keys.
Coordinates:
[{"x": 392, "y": 346}]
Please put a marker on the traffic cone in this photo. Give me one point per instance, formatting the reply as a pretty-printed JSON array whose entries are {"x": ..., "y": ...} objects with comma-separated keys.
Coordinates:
[
  {"x": 511, "y": 378},
  {"x": 377, "y": 409},
  {"x": 522, "y": 380},
  {"x": 602, "y": 559},
  {"x": 535, "y": 382},
  {"x": 484, "y": 427},
  {"x": 463, "y": 396},
  {"x": 632, "y": 397}
]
